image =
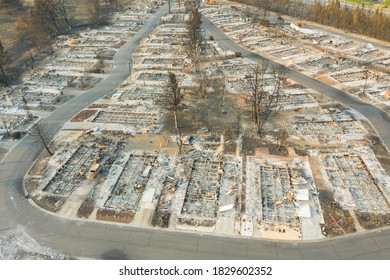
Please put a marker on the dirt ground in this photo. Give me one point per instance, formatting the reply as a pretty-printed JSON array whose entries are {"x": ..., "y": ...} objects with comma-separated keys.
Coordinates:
[
  {"x": 83, "y": 115},
  {"x": 207, "y": 113},
  {"x": 86, "y": 209},
  {"x": 113, "y": 216},
  {"x": 337, "y": 220},
  {"x": 372, "y": 221},
  {"x": 51, "y": 203},
  {"x": 315, "y": 164}
]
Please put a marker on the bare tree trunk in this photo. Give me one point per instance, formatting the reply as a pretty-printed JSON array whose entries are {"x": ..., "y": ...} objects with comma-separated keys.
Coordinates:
[
  {"x": 45, "y": 145},
  {"x": 223, "y": 95},
  {"x": 261, "y": 101},
  {"x": 195, "y": 42},
  {"x": 6, "y": 127},
  {"x": 40, "y": 134},
  {"x": 171, "y": 101},
  {"x": 27, "y": 109},
  {"x": 61, "y": 12},
  {"x": 179, "y": 142},
  {"x": 175, "y": 117},
  {"x": 278, "y": 87},
  {"x": 5, "y": 80}
]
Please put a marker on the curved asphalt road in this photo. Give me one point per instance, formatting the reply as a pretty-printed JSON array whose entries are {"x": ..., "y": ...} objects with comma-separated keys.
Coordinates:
[{"x": 112, "y": 241}]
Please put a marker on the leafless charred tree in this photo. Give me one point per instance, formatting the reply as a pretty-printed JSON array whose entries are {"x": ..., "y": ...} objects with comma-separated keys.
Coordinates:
[
  {"x": 281, "y": 138},
  {"x": 194, "y": 44},
  {"x": 86, "y": 79},
  {"x": 179, "y": 142},
  {"x": 254, "y": 88},
  {"x": 26, "y": 108},
  {"x": 112, "y": 4},
  {"x": 4, "y": 60},
  {"x": 11, "y": 4},
  {"x": 374, "y": 23},
  {"x": 39, "y": 40},
  {"x": 97, "y": 12},
  {"x": 41, "y": 135},
  {"x": 262, "y": 102},
  {"x": 221, "y": 85},
  {"x": 180, "y": 4},
  {"x": 279, "y": 26},
  {"x": 279, "y": 79},
  {"x": 171, "y": 101},
  {"x": 190, "y": 5},
  {"x": 51, "y": 14},
  {"x": 99, "y": 67},
  {"x": 6, "y": 125},
  {"x": 60, "y": 10},
  {"x": 32, "y": 60},
  {"x": 31, "y": 30},
  {"x": 45, "y": 20},
  {"x": 264, "y": 5},
  {"x": 204, "y": 83}
]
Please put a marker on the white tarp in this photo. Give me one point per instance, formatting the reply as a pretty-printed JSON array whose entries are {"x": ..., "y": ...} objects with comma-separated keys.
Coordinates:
[
  {"x": 302, "y": 194},
  {"x": 226, "y": 208},
  {"x": 302, "y": 30},
  {"x": 303, "y": 211}
]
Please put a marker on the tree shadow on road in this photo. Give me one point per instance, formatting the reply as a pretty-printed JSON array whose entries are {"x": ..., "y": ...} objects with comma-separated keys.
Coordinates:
[{"x": 114, "y": 255}]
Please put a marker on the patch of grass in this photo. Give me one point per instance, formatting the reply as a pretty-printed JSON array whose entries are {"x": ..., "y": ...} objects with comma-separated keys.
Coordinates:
[
  {"x": 361, "y": 2},
  {"x": 80, "y": 17},
  {"x": 385, "y": 4}
]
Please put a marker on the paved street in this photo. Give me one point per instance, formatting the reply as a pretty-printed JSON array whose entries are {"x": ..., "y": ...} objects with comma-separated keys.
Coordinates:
[{"x": 112, "y": 241}]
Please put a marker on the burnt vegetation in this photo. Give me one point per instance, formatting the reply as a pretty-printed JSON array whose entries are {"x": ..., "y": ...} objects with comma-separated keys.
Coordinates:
[
  {"x": 262, "y": 102},
  {"x": 171, "y": 101},
  {"x": 34, "y": 24},
  {"x": 361, "y": 20},
  {"x": 195, "y": 42}
]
